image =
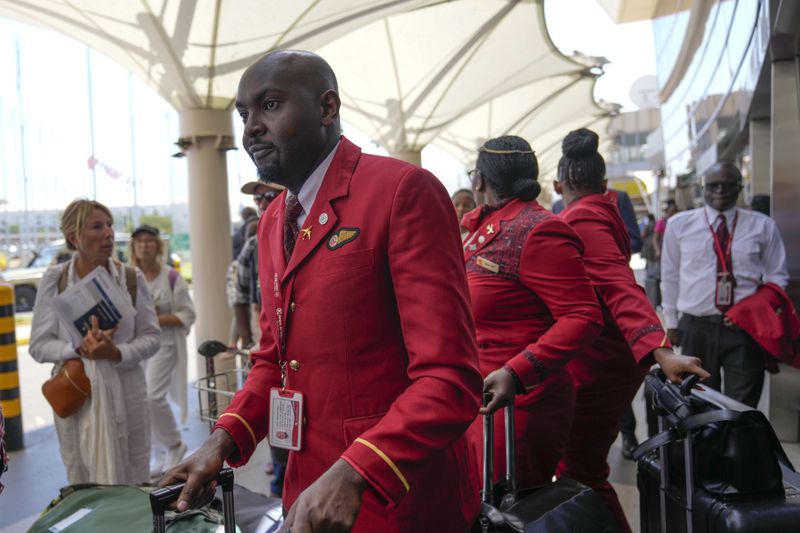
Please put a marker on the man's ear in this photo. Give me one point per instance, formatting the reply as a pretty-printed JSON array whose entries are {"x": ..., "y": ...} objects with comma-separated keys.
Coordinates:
[{"x": 330, "y": 104}]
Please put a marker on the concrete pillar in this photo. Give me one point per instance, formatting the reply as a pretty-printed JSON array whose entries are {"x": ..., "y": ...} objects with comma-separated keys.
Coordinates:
[
  {"x": 784, "y": 162},
  {"x": 205, "y": 136},
  {"x": 760, "y": 132},
  {"x": 409, "y": 156}
]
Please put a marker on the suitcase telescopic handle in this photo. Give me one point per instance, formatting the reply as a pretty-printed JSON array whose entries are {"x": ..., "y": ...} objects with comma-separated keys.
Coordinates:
[
  {"x": 161, "y": 499},
  {"x": 487, "y": 494}
]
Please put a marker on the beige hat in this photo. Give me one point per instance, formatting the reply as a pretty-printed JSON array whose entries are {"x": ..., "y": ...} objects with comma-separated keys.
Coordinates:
[{"x": 253, "y": 187}]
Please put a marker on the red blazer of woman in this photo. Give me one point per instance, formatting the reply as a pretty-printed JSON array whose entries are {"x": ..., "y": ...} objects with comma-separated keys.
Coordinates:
[
  {"x": 631, "y": 324},
  {"x": 533, "y": 303}
]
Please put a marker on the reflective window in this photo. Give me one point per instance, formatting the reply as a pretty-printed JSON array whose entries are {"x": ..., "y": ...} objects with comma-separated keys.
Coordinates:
[{"x": 709, "y": 106}]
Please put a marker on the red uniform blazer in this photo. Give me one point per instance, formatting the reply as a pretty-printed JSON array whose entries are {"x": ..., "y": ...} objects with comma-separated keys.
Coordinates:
[
  {"x": 770, "y": 318},
  {"x": 631, "y": 324},
  {"x": 373, "y": 311},
  {"x": 533, "y": 303}
]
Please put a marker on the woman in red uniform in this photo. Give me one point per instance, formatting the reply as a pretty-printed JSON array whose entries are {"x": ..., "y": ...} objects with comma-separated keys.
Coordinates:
[
  {"x": 533, "y": 303},
  {"x": 609, "y": 372}
]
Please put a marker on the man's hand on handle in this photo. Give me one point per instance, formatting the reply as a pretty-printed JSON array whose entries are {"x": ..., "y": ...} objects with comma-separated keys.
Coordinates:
[
  {"x": 675, "y": 366},
  {"x": 330, "y": 504},
  {"x": 199, "y": 470}
]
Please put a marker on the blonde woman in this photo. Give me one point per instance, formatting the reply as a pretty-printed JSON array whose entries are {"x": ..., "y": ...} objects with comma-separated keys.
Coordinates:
[
  {"x": 108, "y": 440},
  {"x": 166, "y": 371}
]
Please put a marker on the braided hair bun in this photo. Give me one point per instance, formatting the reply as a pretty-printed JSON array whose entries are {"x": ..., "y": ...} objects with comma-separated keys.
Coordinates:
[
  {"x": 510, "y": 167},
  {"x": 580, "y": 143},
  {"x": 582, "y": 168}
]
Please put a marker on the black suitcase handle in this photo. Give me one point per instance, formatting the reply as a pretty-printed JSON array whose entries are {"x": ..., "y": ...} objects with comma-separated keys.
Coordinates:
[
  {"x": 161, "y": 499},
  {"x": 487, "y": 494}
]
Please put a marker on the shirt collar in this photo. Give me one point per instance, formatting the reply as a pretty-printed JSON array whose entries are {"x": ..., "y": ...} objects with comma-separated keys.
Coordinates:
[
  {"x": 308, "y": 192},
  {"x": 713, "y": 214}
]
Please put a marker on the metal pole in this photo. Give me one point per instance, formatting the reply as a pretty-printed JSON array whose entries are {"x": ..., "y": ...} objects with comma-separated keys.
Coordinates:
[
  {"x": 133, "y": 152},
  {"x": 25, "y": 226},
  {"x": 487, "y": 494},
  {"x": 511, "y": 464},
  {"x": 664, "y": 473},
  {"x": 91, "y": 119},
  {"x": 9, "y": 376},
  {"x": 688, "y": 459}
]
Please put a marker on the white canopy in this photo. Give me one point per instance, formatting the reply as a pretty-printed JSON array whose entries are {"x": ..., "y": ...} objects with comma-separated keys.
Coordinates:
[
  {"x": 426, "y": 75},
  {"x": 541, "y": 112},
  {"x": 411, "y": 72},
  {"x": 193, "y": 52}
]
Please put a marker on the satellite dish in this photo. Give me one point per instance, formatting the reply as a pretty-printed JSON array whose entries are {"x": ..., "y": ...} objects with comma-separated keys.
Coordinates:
[{"x": 644, "y": 92}]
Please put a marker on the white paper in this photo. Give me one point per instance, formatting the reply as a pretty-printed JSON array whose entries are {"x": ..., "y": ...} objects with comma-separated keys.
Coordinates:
[{"x": 95, "y": 295}]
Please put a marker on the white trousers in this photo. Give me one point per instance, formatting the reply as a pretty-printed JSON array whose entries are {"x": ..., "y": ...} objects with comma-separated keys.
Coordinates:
[
  {"x": 138, "y": 429},
  {"x": 159, "y": 370}
]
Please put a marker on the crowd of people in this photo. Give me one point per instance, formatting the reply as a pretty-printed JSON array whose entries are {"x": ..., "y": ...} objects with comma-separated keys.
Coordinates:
[{"x": 378, "y": 318}]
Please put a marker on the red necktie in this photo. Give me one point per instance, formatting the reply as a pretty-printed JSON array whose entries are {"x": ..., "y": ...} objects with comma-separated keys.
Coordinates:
[
  {"x": 723, "y": 236},
  {"x": 290, "y": 228}
]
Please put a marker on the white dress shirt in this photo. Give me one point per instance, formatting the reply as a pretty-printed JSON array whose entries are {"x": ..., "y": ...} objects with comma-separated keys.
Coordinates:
[
  {"x": 308, "y": 192},
  {"x": 689, "y": 261}
]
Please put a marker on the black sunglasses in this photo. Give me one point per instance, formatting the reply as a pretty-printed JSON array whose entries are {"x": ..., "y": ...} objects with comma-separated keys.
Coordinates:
[{"x": 265, "y": 196}]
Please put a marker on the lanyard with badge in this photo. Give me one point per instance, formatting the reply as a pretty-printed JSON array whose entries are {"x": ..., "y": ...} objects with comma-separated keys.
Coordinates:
[
  {"x": 725, "y": 280},
  {"x": 285, "y": 405}
]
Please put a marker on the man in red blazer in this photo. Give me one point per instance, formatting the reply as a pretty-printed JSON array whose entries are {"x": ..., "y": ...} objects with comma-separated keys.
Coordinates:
[{"x": 365, "y": 313}]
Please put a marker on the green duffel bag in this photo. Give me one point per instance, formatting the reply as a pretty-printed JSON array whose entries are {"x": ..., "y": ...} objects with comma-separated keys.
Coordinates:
[{"x": 119, "y": 508}]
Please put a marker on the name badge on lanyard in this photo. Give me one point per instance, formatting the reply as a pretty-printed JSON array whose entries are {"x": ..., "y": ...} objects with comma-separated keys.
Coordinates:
[
  {"x": 285, "y": 419},
  {"x": 724, "y": 295}
]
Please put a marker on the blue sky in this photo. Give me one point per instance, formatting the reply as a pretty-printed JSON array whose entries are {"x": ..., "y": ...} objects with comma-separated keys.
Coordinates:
[{"x": 136, "y": 147}]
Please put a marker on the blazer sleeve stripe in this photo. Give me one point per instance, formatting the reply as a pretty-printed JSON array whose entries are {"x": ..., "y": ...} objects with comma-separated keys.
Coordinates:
[
  {"x": 387, "y": 460},
  {"x": 246, "y": 425}
]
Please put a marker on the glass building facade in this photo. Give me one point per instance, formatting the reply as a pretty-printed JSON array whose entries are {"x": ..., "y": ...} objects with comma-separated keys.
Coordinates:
[{"x": 706, "y": 113}]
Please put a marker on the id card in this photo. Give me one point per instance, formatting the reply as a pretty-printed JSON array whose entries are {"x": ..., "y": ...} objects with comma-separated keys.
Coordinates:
[
  {"x": 285, "y": 419},
  {"x": 724, "y": 291}
]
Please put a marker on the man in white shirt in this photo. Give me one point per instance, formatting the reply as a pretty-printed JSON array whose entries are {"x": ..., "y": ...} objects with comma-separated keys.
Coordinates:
[{"x": 712, "y": 258}]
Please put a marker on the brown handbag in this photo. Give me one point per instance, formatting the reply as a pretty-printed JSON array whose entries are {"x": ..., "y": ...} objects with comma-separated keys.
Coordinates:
[{"x": 67, "y": 390}]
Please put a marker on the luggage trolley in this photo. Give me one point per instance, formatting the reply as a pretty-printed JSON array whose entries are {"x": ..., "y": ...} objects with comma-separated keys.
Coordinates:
[{"x": 216, "y": 389}]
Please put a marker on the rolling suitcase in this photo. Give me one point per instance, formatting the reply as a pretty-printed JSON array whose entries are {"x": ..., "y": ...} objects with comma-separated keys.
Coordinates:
[
  {"x": 123, "y": 509},
  {"x": 562, "y": 506},
  {"x": 716, "y": 466}
]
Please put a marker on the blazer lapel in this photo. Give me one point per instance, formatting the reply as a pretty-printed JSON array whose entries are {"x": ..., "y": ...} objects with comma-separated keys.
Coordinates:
[{"x": 323, "y": 218}]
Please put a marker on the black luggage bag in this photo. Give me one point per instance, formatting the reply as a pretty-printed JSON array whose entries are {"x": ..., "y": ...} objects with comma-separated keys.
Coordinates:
[
  {"x": 716, "y": 466},
  {"x": 564, "y": 506}
]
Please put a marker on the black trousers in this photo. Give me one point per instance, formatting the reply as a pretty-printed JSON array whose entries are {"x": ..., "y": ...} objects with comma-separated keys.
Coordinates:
[{"x": 720, "y": 346}]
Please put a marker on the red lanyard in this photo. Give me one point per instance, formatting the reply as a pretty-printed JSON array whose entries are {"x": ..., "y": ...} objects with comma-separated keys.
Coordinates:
[{"x": 717, "y": 245}]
